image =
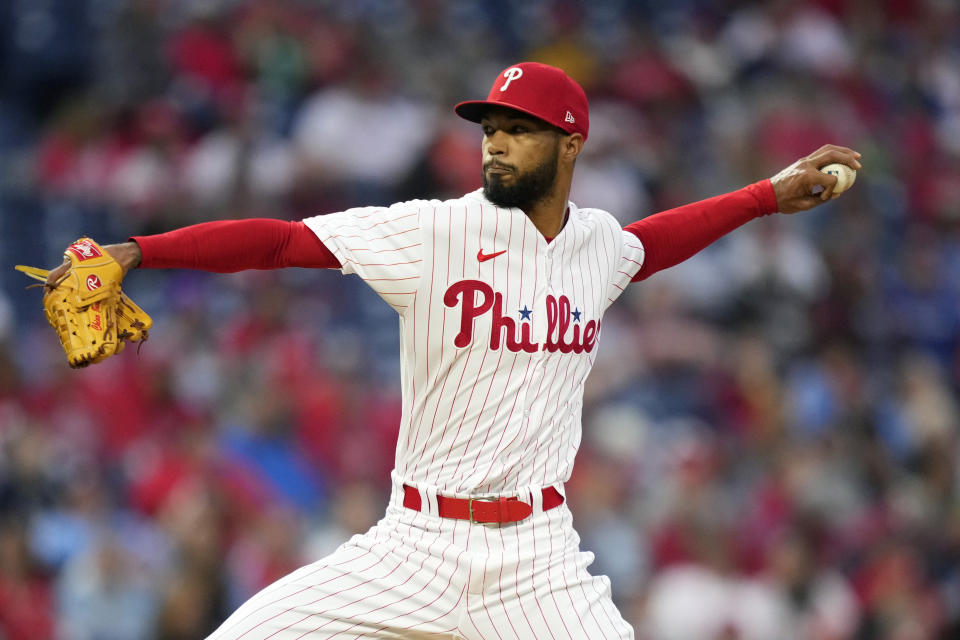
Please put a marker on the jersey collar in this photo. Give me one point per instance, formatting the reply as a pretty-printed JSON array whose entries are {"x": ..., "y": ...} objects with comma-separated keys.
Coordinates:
[{"x": 573, "y": 212}]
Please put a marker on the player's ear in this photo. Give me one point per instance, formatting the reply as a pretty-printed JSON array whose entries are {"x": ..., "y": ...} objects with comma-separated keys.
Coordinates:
[{"x": 570, "y": 146}]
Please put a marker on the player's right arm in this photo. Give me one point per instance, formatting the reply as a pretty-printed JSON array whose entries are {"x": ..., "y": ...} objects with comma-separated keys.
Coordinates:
[
  {"x": 224, "y": 246},
  {"x": 227, "y": 246}
]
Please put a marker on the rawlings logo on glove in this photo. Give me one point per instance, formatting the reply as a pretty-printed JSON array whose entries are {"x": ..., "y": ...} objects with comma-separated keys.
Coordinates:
[{"x": 93, "y": 318}]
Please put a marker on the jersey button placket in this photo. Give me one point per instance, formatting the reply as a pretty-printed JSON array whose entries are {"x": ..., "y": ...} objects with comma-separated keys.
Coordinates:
[
  {"x": 539, "y": 331},
  {"x": 538, "y": 319}
]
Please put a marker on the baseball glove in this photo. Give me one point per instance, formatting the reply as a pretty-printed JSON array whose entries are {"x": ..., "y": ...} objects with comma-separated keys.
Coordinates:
[{"x": 93, "y": 318}]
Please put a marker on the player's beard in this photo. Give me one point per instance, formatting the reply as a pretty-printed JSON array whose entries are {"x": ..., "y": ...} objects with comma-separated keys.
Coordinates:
[{"x": 526, "y": 189}]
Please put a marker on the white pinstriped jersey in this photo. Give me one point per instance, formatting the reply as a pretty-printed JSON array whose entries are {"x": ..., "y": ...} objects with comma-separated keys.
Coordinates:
[{"x": 498, "y": 331}]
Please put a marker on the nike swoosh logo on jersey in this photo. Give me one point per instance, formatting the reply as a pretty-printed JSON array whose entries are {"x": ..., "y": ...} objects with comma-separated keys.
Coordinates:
[{"x": 483, "y": 257}]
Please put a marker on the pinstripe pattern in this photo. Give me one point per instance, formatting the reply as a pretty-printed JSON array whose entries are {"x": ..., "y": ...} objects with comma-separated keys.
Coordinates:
[
  {"x": 495, "y": 353},
  {"x": 478, "y": 419},
  {"x": 419, "y": 576}
]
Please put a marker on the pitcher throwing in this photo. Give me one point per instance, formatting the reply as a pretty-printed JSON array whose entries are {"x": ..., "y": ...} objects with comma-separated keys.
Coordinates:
[{"x": 501, "y": 295}]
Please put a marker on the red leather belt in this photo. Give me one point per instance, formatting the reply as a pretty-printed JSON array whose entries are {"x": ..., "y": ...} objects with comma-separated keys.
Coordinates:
[{"x": 483, "y": 509}]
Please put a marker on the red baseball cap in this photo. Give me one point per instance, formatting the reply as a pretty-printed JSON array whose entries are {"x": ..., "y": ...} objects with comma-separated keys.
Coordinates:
[{"x": 538, "y": 90}]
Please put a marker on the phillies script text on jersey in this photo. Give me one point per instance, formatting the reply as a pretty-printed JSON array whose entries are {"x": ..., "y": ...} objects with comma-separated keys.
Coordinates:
[{"x": 465, "y": 293}]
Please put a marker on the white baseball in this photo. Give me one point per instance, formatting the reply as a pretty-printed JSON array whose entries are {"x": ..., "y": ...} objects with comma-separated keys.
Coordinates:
[{"x": 845, "y": 176}]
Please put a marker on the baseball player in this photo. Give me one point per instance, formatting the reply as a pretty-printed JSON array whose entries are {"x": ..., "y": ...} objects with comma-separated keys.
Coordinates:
[{"x": 500, "y": 296}]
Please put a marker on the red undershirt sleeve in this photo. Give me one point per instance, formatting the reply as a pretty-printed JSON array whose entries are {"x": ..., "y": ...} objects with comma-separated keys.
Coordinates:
[
  {"x": 226, "y": 246},
  {"x": 672, "y": 236}
]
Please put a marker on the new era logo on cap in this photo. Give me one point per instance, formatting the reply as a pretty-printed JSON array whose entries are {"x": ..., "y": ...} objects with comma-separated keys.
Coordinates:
[{"x": 538, "y": 90}]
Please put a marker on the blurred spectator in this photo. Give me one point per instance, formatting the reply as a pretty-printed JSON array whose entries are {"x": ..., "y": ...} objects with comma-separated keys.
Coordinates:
[
  {"x": 25, "y": 591},
  {"x": 197, "y": 524},
  {"x": 357, "y": 507},
  {"x": 363, "y": 137},
  {"x": 104, "y": 593}
]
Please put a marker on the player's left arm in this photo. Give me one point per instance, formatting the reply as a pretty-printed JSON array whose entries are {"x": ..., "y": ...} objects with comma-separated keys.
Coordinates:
[{"x": 672, "y": 236}]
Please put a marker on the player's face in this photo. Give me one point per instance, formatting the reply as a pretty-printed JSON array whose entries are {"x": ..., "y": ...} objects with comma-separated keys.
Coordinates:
[{"x": 520, "y": 158}]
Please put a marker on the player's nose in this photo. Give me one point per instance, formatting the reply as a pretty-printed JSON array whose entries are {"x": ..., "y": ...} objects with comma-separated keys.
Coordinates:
[{"x": 495, "y": 144}]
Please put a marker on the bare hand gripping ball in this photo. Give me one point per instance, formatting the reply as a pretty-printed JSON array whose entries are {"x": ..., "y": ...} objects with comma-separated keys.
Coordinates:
[
  {"x": 92, "y": 317},
  {"x": 845, "y": 176}
]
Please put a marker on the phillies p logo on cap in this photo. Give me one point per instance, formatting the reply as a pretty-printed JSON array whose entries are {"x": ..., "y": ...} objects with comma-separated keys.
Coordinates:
[
  {"x": 511, "y": 74},
  {"x": 538, "y": 90}
]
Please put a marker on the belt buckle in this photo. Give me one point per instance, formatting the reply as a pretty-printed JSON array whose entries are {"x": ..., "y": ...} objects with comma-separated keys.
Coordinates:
[{"x": 489, "y": 497}]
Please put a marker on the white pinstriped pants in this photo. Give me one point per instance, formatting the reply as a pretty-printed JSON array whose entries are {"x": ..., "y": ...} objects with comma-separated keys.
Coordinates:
[{"x": 417, "y": 576}]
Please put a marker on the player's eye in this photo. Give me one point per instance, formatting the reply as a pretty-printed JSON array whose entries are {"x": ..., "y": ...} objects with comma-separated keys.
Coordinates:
[
  {"x": 519, "y": 128},
  {"x": 488, "y": 130}
]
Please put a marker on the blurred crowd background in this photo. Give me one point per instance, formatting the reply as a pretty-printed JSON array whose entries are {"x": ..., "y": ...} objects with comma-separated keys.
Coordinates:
[{"x": 771, "y": 430}]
